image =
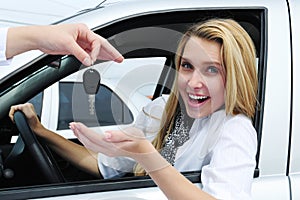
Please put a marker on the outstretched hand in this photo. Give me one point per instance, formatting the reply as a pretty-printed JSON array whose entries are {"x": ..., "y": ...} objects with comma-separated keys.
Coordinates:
[{"x": 127, "y": 142}]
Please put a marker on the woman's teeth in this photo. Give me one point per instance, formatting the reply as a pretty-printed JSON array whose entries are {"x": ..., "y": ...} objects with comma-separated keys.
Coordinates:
[{"x": 198, "y": 98}]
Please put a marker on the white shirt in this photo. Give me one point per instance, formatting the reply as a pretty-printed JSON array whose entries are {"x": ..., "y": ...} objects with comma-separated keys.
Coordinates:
[
  {"x": 3, "y": 37},
  {"x": 222, "y": 146}
]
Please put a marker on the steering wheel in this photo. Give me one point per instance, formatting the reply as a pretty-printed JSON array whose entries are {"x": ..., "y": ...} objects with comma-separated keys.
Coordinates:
[{"x": 44, "y": 161}]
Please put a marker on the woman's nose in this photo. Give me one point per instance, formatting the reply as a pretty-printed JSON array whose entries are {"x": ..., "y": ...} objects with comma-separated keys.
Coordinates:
[{"x": 196, "y": 80}]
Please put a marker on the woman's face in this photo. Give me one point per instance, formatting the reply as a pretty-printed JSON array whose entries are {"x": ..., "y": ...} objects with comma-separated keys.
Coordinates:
[{"x": 201, "y": 78}]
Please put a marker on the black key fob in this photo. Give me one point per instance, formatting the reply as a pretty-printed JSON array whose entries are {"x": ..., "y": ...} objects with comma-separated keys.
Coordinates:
[{"x": 91, "y": 81}]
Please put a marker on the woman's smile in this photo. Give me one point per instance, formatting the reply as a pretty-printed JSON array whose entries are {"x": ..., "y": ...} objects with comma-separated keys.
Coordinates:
[{"x": 197, "y": 100}]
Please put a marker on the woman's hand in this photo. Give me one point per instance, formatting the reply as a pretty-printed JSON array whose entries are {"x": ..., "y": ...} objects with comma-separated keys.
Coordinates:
[
  {"x": 128, "y": 142},
  {"x": 30, "y": 114}
]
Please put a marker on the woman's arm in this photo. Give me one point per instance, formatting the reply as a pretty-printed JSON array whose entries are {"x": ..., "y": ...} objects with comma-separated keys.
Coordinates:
[
  {"x": 176, "y": 186},
  {"x": 131, "y": 143},
  {"x": 77, "y": 154}
]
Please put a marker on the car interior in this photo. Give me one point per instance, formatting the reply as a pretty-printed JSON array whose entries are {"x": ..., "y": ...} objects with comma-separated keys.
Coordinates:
[{"x": 31, "y": 163}]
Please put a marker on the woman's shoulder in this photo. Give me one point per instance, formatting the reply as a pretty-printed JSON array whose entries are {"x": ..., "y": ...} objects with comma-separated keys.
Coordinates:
[
  {"x": 229, "y": 121},
  {"x": 239, "y": 121},
  {"x": 235, "y": 128}
]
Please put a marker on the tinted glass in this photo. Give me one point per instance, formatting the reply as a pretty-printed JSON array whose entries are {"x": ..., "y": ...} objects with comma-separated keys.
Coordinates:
[
  {"x": 37, "y": 103},
  {"x": 74, "y": 106}
]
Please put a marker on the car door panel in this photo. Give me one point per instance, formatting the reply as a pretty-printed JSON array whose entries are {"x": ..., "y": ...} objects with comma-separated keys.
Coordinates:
[
  {"x": 271, "y": 187},
  {"x": 294, "y": 162}
]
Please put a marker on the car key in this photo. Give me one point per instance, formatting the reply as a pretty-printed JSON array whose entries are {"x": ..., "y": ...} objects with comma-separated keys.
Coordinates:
[{"x": 91, "y": 83}]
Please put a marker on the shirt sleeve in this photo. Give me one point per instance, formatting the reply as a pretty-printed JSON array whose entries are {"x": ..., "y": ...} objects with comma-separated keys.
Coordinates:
[
  {"x": 3, "y": 37},
  {"x": 229, "y": 174},
  {"x": 148, "y": 120}
]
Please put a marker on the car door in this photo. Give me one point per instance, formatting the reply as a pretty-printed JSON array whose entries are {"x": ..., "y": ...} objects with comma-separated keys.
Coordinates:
[
  {"x": 294, "y": 161},
  {"x": 273, "y": 181}
]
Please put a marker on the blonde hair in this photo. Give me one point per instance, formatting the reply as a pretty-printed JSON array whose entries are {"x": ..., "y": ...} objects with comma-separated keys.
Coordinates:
[{"x": 239, "y": 61}]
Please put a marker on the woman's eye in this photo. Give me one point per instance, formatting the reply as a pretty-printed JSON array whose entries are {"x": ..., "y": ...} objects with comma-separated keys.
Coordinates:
[
  {"x": 186, "y": 65},
  {"x": 212, "y": 69}
]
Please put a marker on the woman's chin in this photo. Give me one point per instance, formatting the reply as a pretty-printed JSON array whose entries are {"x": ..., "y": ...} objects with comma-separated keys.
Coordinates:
[{"x": 199, "y": 113}]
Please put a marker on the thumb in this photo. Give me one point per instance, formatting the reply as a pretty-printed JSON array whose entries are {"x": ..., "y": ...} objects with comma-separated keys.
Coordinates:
[
  {"x": 116, "y": 136},
  {"x": 127, "y": 134}
]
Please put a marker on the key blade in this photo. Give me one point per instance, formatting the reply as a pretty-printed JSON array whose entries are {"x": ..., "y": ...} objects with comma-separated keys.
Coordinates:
[{"x": 91, "y": 100}]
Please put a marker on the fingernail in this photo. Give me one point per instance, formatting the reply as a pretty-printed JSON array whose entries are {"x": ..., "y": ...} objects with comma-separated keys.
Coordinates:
[
  {"x": 87, "y": 62},
  {"x": 119, "y": 59}
]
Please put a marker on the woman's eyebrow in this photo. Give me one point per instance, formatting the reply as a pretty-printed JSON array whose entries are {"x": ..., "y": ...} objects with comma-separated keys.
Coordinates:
[
  {"x": 213, "y": 63},
  {"x": 185, "y": 59},
  {"x": 217, "y": 63}
]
